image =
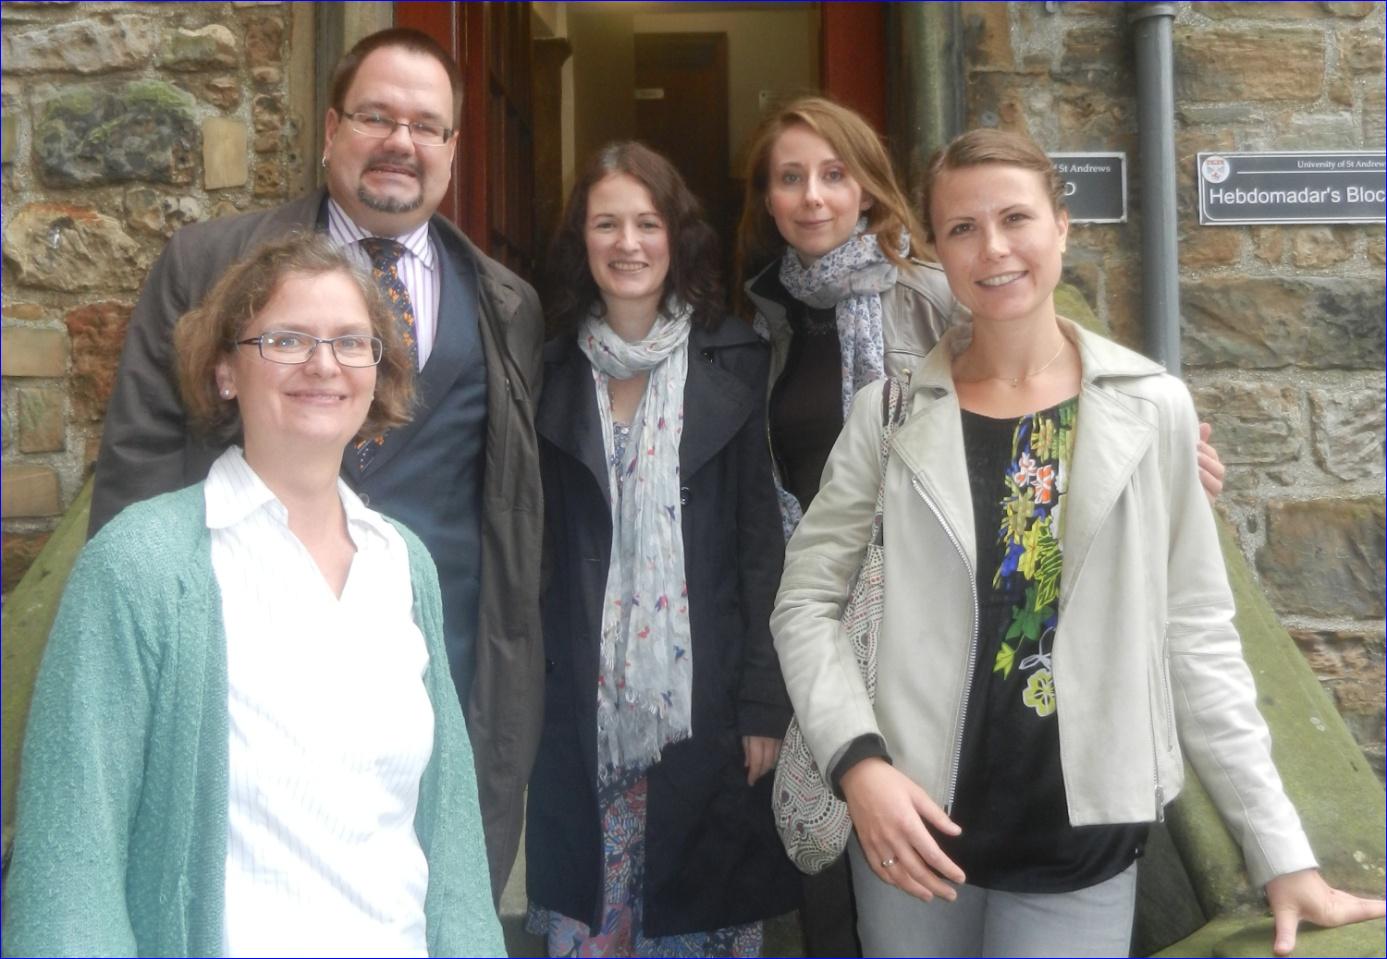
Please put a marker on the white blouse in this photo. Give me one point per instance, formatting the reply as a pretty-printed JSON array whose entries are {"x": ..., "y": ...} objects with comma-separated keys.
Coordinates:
[{"x": 330, "y": 730}]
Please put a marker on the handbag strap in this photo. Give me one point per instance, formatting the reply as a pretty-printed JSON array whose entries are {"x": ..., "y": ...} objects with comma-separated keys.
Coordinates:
[{"x": 893, "y": 411}]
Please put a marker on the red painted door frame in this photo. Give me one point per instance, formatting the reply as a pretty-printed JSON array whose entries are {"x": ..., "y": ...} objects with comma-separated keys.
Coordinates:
[
  {"x": 852, "y": 57},
  {"x": 459, "y": 28}
]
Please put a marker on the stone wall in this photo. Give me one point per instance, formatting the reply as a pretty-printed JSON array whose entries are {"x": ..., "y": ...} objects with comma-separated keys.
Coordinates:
[
  {"x": 122, "y": 122},
  {"x": 1282, "y": 325}
]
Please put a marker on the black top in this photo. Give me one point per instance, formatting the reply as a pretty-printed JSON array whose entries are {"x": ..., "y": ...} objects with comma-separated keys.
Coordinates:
[
  {"x": 1010, "y": 797},
  {"x": 806, "y": 408}
]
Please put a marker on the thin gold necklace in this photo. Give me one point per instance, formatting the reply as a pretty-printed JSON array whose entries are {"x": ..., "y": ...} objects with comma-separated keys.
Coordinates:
[{"x": 1015, "y": 381}]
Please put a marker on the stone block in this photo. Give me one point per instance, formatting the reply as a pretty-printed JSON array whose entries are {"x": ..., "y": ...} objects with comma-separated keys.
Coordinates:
[
  {"x": 1226, "y": 63},
  {"x": 1091, "y": 120},
  {"x": 1361, "y": 53},
  {"x": 221, "y": 91},
  {"x": 208, "y": 48},
  {"x": 19, "y": 551},
  {"x": 1374, "y": 116},
  {"x": 269, "y": 179},
  {"x": 33, "y": 352},
  {"x": 1096, "y": 52},
  {"x": 1315, "y": 131},
  {"x": 1269, "y": 243},
  {"x": 1259, "y": 11},
  {"x": 1317, "y": 247},
  {"x": 94, "y": 44},
  {"x": 143, "y": 130},
  {"x": 70, "y": 248},
  {"x": 1377, "y": 246},
  {"x": 223, "y": 153},
  {"x": 1340, "y": 90},
  {"x": 1253, "y": 422},
  {"x": 1203, "y": 247},
  {"x": 267, "y": 113},
  {"x": 1349, "y": 663},
  {"x": 159, "y": 213},
  {"x": 42, "y": 426},
  {"x": 9, "y": 135},
  {"x": 987, "y": 36},
  {"x": 264, "y": 42},
  {"x": 29, "y": 490},
  {"x": 267, "y": 76},
  {"x": 1325, "y": 557},
  {"x": 997, "y": 100},
  {"x": 28, "y": 312},
  {"x": 1275, "y": 322},
  {"x": 1348, "y": 430},
  {"x": 1356, "y": 11},
  {"x": 97, "y": 332},
  {"x": 9, "y": 422}
]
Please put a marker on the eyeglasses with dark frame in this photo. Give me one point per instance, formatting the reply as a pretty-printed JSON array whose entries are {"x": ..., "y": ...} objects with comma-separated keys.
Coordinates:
[
  {"x": 378, "y": 126},
  {"x": 293, "y": 348}
]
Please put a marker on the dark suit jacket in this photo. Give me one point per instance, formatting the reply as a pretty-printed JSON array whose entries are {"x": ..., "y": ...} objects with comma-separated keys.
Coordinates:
[
  {"x": 712, "y": 856},
  {"x": 146, "y": 449}
]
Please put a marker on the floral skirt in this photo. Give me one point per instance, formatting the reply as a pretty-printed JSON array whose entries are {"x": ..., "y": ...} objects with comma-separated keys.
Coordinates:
[{"x": 623, "y": 804}]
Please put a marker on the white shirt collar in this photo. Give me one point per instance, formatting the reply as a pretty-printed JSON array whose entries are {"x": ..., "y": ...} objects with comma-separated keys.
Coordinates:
[
  {"x": 234, "y": 491},
  {"x": 345, "y": 229}
]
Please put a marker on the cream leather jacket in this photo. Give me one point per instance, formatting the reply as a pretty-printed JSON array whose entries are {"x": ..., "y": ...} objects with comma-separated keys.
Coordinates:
[{"x": 1146, "y": 658}]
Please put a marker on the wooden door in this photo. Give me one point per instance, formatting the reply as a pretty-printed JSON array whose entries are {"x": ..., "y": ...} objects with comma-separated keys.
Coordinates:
[
  {"x": 681, "y": 111},
  {"x": 853, "y": 57},
  {"x": 493, "y": 174}
]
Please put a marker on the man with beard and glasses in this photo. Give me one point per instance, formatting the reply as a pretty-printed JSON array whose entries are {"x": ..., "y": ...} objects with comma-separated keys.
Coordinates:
[{"x": 464, "y": 473}]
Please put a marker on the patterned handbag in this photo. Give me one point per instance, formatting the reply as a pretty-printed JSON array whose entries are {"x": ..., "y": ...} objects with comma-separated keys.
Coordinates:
[{"x": 813, "y": 823}]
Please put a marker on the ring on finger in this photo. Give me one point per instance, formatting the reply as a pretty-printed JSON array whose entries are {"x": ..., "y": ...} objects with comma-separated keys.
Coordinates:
[{"x": 888, "y": 862}]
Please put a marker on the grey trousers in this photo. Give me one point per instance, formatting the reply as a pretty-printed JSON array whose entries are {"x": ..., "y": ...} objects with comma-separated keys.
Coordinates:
[{"x": 1096, "y": 921}]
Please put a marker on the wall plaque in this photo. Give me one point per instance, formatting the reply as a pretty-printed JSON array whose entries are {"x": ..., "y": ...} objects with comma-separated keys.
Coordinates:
[
  {"x": 1349, "y": 186},
  {"x": 1095, "y": 186}
]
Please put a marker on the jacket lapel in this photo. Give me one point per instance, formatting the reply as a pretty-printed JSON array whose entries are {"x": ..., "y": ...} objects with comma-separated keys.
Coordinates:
[
  {"x": 1110, "y": 441},
  {"x": 930, "y": 444},
  {"x": 445, "y": 364},
  {"x": 716, "y": 402},
  {"x": 568, "y": 416}
]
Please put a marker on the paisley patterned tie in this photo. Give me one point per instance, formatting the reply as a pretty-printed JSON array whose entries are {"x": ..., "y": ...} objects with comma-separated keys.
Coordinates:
[{"x": 385, "y": 268}]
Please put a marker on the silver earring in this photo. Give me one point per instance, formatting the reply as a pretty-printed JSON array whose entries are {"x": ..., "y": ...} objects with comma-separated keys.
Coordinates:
[
  {"x": 226, "y": 394},
  {"x": 324, "y": 161}
]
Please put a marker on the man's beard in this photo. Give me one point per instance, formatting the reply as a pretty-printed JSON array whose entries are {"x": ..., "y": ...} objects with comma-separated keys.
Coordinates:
[{"x": 385, "y": 204}]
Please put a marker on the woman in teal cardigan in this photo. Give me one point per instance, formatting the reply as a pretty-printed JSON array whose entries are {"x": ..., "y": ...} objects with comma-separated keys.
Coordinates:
[{"x": 138, "y": 825}]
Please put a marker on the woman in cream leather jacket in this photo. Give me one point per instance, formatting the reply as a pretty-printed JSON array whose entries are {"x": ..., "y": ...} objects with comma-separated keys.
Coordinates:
[{"x": 1057, "y": 627}]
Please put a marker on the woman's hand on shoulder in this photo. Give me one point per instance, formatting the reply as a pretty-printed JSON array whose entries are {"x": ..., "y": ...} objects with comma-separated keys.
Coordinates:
[
  {"x": 1305, "y": 895},
  {"x": 889, "y": 811},
  {"x": 762, "y": 753},
  {"x": 1211, "y": 468}
]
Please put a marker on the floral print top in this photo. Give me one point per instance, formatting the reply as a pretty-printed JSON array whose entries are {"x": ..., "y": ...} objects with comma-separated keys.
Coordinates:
[{"x": 1010, "y": 797}]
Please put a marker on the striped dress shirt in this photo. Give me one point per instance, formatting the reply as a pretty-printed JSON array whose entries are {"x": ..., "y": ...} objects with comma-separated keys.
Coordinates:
[
  {"x": 419, "y": 270},
  {"x": 330, "y": 731}
]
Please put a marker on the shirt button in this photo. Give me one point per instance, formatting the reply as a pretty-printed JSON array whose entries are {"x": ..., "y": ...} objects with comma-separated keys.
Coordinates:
[{"x": 684, "y": 496}]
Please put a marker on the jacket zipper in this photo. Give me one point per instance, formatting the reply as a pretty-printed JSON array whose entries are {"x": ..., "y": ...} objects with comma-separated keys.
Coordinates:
[{"x": 957, "y": 758}]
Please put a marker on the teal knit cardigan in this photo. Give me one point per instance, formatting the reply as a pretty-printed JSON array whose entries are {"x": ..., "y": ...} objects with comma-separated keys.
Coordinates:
[{"x": 120, "y": 837}]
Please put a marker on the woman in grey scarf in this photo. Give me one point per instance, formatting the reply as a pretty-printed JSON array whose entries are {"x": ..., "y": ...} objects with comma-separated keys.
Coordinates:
[{"x": 649, "y": 829}]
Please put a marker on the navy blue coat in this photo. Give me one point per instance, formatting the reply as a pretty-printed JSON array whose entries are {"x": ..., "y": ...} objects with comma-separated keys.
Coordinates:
[{"x": 712, "y": 854}]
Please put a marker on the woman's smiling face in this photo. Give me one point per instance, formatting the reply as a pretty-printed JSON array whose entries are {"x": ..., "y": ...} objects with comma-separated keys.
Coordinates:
[{"x": 999, "y": 239}]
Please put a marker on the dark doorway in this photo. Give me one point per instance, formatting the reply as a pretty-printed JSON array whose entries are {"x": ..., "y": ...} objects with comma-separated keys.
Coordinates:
[{"x": 681, "y": 110}]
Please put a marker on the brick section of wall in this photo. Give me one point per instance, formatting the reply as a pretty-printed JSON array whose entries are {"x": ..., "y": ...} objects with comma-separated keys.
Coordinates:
[
  {"x": 122, "y": 122},
  {"x": 1282, "y": 325}
]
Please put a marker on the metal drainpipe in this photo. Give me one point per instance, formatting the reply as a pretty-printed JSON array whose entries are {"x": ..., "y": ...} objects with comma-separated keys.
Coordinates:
[
  {"x": 1160, "y": 274},
  {"x": 924, "y": 83}
]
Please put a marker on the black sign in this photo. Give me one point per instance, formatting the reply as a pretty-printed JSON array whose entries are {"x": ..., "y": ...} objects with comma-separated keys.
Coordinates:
[
  {"x": 1300, "y": 187},
  {"x": 1095, "y": 186}
]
